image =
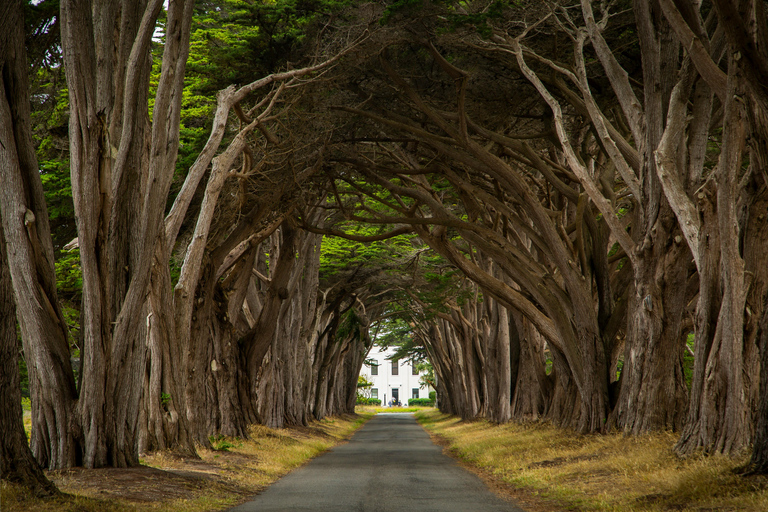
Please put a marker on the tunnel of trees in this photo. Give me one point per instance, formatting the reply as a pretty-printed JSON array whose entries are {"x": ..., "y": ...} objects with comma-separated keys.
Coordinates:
[{"x": 210, "y": 210}]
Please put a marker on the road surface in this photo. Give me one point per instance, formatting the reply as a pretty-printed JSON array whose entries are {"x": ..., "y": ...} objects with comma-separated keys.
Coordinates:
[{"x": 390, "y": 464}]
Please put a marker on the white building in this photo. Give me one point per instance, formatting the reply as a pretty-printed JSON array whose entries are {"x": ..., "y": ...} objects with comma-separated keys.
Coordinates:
[{"x": 392, "y": 380}]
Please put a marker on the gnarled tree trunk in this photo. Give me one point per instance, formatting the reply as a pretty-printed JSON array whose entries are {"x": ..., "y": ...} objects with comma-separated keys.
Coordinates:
[
  {"x": 121, "y": 174},
  {"x": 55, "y": 439},
  {"x": 719, "y": 419},
  {"x": 16, "y": 461}
]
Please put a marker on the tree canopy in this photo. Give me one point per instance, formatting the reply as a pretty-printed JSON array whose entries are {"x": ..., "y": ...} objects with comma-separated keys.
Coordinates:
[{"x": 221, "y": 206}]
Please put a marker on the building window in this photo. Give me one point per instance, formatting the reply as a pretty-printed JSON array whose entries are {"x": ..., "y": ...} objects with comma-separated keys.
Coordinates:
[
  {"x": 415, "y": 393},
  {"x": 375, "y": 369},
  {"x": 414, "y": 370},
  {"x": 394, "y": 367},
  {"x": 374, "y": 392}
]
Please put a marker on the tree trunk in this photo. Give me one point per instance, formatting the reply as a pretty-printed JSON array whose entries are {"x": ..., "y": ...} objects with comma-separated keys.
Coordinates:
[
  {"x": 497, "y": 368},
  {"x": 121, "y": 176},
  {"x": 533, "y": 388},
  {"x": 755, "y": 242},
  {"x": 564, "y": 410},
  {"x": 653, "y": 392},
  {"x": 758, "y": 331},
  {"x": 163, "y": 423},
  {"x": 758, "y": 463},
  {"x": 16, "y": 461},
  {"x": 718, "y": 419},
  {"x": 217, "y": 385},
  {"x": 257, "y": 342},
  {"x": 55, "y": 440},
  {"x": 283, "y": 390}
]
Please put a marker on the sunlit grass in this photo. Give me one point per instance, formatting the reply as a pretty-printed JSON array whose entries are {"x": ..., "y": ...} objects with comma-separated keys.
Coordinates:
[
  {"x": 362, "y": 409},
  {"x": 609, "y": 472},
  {"x": 220, "y": 479},
  {"x": 26, "y": 407}
]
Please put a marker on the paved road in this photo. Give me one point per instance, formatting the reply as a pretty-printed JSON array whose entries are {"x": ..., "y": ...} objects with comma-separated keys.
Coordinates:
[{"x": 390, "y": 464}]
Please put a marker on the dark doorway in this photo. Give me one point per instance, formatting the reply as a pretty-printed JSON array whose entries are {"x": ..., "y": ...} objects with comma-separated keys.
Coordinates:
[{"x": 395, "y": 395}]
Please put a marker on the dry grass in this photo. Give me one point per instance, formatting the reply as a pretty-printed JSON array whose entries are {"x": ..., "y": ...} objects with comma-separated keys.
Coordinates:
[
  {"x": 221, "y": 478},
  {"x": 600, "y": 472}
]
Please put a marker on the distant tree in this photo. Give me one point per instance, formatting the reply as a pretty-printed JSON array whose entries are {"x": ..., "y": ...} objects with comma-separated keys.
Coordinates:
[{"x": 363, "y": 387}]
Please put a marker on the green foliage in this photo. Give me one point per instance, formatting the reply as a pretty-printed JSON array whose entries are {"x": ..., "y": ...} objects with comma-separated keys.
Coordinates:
[
  {"x": 223, "y": 444},
  {"x": 57, "y": 187},
  {"x": 69, "y": 285},
  {"x": 433, "y": 395},
  {"x": 688, "y": 359},
  {"x": 24, "y": 373},
  {"x": 175, "y": 269},
  {"x": 427, "y": 378},
  {"x": 367, "y": 401},
  {"x": 398, "y": 333},
  {"x": 363, "y": 382},
  {"x": 467, "y": 16},
  {"x": 50, "y": 118},
  {"x": 480, "y": 20},
  {"x": 395, "y": 332},
  {"x": 42, "y": 33},
  {"x": 69, "y": 276},
  {"x": 72, "y": 317},
  {"x": 350, "y": 326},
  {"x": 400, "y": 7},
  {"x": 421, "y": 402},
  {"x": 339, "y": 255},
  {"x": 235, "y": 42},
  {"x": 363, "y": 387}
]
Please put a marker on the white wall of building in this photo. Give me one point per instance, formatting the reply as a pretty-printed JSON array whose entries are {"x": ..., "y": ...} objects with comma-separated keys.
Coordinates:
[{"x": 385, "y": 383}]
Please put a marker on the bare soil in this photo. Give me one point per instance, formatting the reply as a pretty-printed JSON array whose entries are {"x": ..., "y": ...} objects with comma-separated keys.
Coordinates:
[{"x": 144, "y": 484}]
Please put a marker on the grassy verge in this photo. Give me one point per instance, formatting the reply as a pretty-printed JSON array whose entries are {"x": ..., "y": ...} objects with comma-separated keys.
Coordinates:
[
  {"x": 224, "y": 477},
  {"x": 562, "y": 470}
]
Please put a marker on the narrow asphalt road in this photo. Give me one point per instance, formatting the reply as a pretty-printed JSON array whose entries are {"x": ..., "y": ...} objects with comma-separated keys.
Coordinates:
[{"x": 390, "y": 464}]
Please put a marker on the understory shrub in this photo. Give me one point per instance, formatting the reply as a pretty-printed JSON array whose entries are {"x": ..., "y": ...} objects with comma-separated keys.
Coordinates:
[
  {"x": 361, "y": 400},
  {"x": 424, "y": 402}
]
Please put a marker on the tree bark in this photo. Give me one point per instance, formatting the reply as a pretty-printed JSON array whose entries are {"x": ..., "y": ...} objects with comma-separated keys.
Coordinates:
[
  {"x": 282, "y": 388},
  {"x": 758, "y": 462},
  {"x": 497, "y": 368},
  {"x": 653, "y": 391},
  {"x": 16, "y": 461},
  {"x": 55, "y": 436},
  {"x": 756, "y": 245},
  {"x": 121, "y": 173},
  {"x": 718, "y": 419},
  {"x": 163, "y": 422},
  {"x": 533, "y": 388}
]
